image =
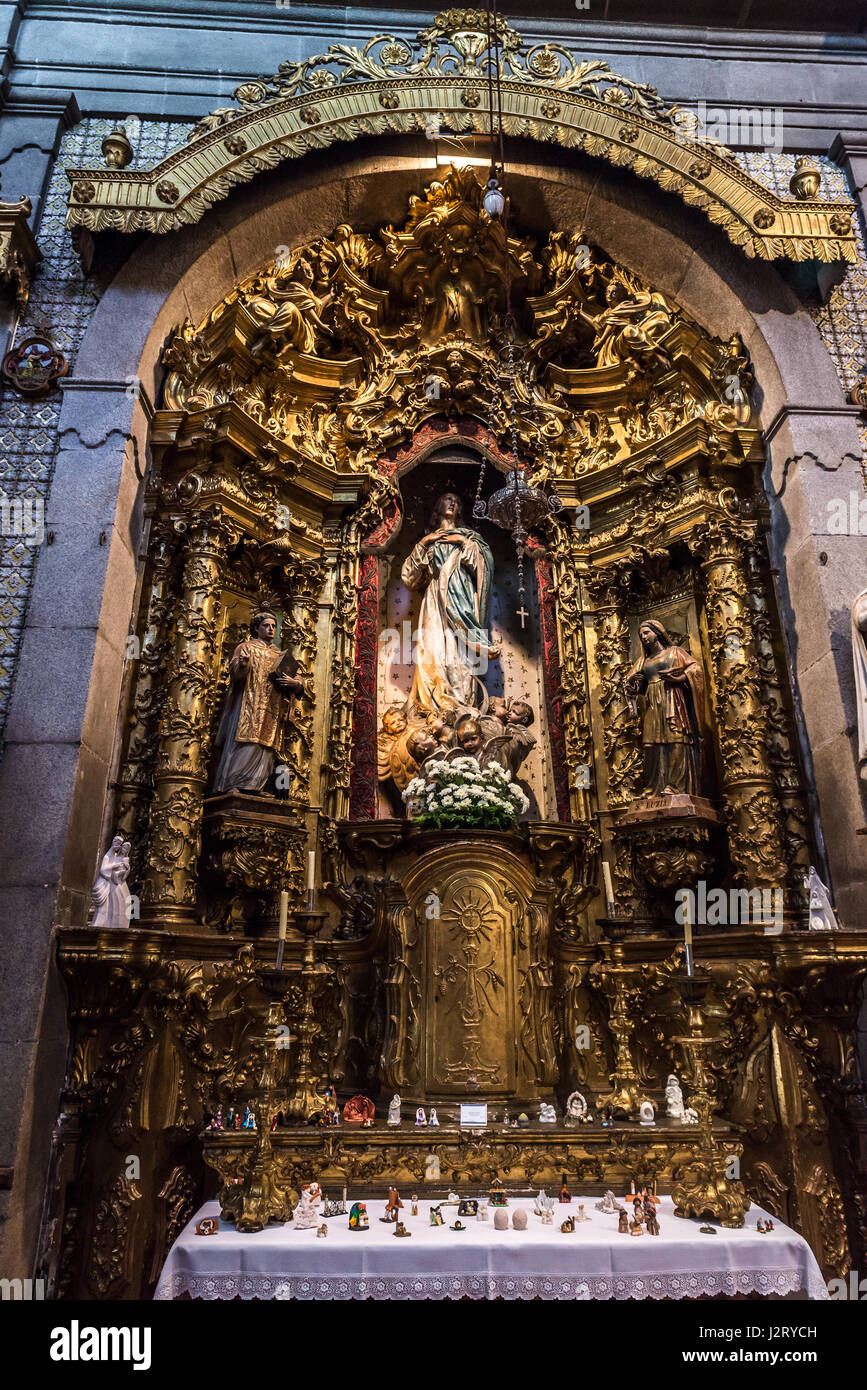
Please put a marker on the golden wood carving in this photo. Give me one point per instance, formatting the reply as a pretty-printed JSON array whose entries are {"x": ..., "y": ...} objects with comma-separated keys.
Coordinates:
[{"x": 440, "y": 82}]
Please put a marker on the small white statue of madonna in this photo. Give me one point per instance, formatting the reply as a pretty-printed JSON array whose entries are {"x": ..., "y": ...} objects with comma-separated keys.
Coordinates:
[{"x": 111, "y": 897}]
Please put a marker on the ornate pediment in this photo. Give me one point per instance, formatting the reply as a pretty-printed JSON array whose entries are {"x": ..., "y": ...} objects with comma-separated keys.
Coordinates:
[
  {"x": 345, "y": 347},
  {"x": 440, "y": 84}
]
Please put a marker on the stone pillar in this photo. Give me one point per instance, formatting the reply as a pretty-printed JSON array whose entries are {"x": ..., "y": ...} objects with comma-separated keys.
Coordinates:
[
  {"x": 185, "y": 730},
  {"x": 755, "y": 825}
]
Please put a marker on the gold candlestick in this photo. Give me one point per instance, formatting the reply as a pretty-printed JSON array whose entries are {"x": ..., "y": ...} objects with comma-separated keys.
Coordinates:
[{"x": 704, "y": 1188}]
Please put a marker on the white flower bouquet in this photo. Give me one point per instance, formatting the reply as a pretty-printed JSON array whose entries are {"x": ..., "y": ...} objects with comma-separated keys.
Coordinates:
[{"x": 461, "y": 794}]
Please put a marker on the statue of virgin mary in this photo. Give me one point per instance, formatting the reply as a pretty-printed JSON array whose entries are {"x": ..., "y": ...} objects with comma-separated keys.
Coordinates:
[{"x": 452, "y": 566}]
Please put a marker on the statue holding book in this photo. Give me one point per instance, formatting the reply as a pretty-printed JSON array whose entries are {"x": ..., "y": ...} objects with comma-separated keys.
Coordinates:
[{"x": 250, "y": 735}]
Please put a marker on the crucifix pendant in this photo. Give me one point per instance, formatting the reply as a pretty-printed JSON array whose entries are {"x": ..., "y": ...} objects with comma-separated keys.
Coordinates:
[{"x": 523, "y": 614}]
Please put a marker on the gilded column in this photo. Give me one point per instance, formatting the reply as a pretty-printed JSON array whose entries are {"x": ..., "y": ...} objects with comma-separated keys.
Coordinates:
[
  {"x": 185, "y": 729},
  {"x": 149, "y": 649},
  {"x": 576, "y": 719},
  {"x": 782, "y": 753},
  {"x": 621, "y": 742},
  {"x": 755, "y": 825}
]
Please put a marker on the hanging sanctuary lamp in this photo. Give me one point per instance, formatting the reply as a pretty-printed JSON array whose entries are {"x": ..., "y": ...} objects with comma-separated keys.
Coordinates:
[{"x": 517, "y": 506}]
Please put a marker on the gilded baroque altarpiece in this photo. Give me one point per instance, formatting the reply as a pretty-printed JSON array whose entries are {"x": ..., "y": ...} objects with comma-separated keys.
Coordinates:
[{"x": 304, "y": 424}]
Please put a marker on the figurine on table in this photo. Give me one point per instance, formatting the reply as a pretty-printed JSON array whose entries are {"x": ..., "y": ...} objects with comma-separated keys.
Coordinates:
[
  {"x": 230, "y": 1118},
  {"x": 498, "y": 1196},
  {"x": 436, "y": 1217},
  {"x": 358, "y": 1217},
  {"x": 433, "y": 1117},
  {"x": 394, "y": 1205},
  {"x": 565, "y": 1194},
  {"x": 420, "y": 1117},
  {"x": 249, "y": 1119},
  {"x": 635, "y": 1228},
  {"x": 394, "y": 1111},
  {"x": 400, "y": 1229},
  {"x": 652, "y": 1223},
  {"x": 237, "y": 1119},
  {"x": 217, "y": 1121},
  {"x": 568, "y": 1226},
  {"x": 414, "y": 1208},
  {"x": 623, "y": 1224},
  {"x": 307, "y": 1210}
]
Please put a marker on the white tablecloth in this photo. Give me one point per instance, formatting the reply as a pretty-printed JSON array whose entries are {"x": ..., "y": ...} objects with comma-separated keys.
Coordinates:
[{"x": 481, "y": 1262}]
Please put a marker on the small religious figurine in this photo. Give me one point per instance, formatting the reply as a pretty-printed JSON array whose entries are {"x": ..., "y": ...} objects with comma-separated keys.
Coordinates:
[
  {"x": 671, "y": 686},
  {"x": 647, "y": 1113},
  {"x": 568, "y": 1226},
  {"x": 307, "y": 1210},
  {"x": 652, "y": 1223},
  {"x": 400, "y": 1229},
  {"x": 543, "y": 1203},
  {"x": 576, "y": 1109},
  {"x": 217, "y": 1121},
  {"x": 393, "y": 1206},
  {"x": 822, "y": 914},
  {"x": 250, "y": 734},
  {"x": 609, "y": 1204},
  {"x": 237, "y": 1119},
  {"x": 623, "y": 1224},
  {"x": 498, "y": 1196},
  {"x": 436, "y": 1217},
  {"x": 358, "y": 1111},
  {"x": 468, "y": 1206},
  {"x": 230, "y": 1118},
  {"x": 358, "y": 1216},
  {"x": 433, "y": 1117},
  {"x": 458, "y": 1226},
  {"x": 565, "y": 1194},
  {"x": 111, "y": 897},
  {"x": 636, "y": 1228},
  {"x": 394, "y": 1111},
  {"x": 420, "y": 1117},
  {"x": 414, "y": 1207},
  {"x": 322, "y": 1231},
  {"x": 547, "y": 1114},
  {"x": 673, "y": 1098},
  {"x": 249, "y": 1121},
  {"x": 482, "y": 1213},
  {"x": 581, "y": 1214}
]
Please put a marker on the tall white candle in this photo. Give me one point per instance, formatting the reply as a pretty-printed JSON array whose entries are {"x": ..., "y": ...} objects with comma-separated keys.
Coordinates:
[
  {"x": 311, "y": 870},
  {"x": 609, "y": 886},
  {"x": 687, "y": 935},
  {"x": 284, "y": 913}
]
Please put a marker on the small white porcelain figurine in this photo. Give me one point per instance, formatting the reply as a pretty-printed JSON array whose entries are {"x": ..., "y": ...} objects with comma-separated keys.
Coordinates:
[
  {"x": 307, "y": 1211},
  {"x": 420, "y": 1117},
  {"x": 673, "y": 1098},
  {"x": 547, "y": 1114},
  {"x": 647, "y": 1113},
  {"x": 111, "y": 897},
  {"x": 394, "y": 1111},
  {"x": 433, "y": 1116}
]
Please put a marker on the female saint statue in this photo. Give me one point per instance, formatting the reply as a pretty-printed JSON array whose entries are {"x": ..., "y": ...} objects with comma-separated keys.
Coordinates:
[
  {"x": 250, "y": 735},
  {"x": 671, "y": 685},
  {"x": 452, "y": 566}
]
